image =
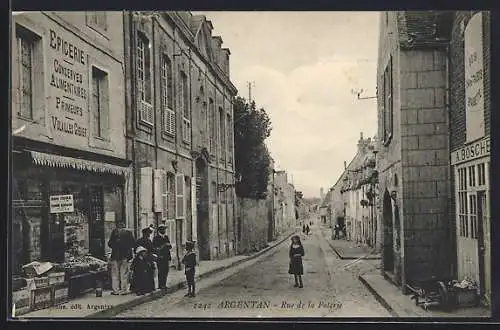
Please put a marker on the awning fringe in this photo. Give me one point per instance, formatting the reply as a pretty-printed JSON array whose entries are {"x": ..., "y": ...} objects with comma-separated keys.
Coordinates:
[{"x": 41, "y": 158}]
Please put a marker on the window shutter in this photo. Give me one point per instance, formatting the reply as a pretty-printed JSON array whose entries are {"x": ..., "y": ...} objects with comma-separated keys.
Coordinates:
[
  {"x": 146, "y": 189},
  {"x": 179, "y": 197},
  {"x": 193, "y": 208},
  {"x": 158, "y": 190},
  {"x": 105, "y": 109}
]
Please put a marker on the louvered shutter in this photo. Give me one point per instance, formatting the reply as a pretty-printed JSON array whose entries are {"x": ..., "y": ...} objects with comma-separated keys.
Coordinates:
[
  {"x": 193, "y": 208},
  {"x": 164, "y": 195},
  {"x": 146, "y": 189},
  {"x": 158, "y": 190}
]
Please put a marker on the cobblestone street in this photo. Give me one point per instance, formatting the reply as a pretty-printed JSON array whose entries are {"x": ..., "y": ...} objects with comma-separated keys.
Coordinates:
[{"x": 263, "y": 288}]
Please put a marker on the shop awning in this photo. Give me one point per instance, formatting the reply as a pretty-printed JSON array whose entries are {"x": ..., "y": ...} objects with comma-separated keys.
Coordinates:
[{"x": 44, "y": 159}]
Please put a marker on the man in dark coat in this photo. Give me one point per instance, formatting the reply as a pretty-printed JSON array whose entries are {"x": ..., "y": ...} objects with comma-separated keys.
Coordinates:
[
  {"x": 162, "y": 247},
  {"x": 122, "y": 244}
]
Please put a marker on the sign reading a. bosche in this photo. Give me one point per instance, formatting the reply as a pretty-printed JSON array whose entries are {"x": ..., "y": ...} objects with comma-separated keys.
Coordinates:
[
  {"x": 68, "y": 90},
  {"x": 471, "y": 151}
]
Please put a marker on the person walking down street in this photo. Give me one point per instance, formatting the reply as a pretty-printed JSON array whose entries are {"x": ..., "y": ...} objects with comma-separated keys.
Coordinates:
[
  {"x": 122, "y": 244},
  {"x": 307, "y": 229},
  {"x": 142, "y": 272},
  {"x": 296, "y": 267},
  {"x": 189, "y": 261},
  {"x": 337, "y": 230},
  {"x": 162, "y": 247},
  {"x": 304, "y": 228}
]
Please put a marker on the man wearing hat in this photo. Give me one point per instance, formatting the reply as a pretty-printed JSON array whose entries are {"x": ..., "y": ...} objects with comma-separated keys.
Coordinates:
[
  {"x": 162, "y": 247},
  {"x": 122, "y": 244}
]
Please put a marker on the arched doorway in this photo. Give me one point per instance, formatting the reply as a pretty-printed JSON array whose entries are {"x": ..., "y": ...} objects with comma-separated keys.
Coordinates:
[
  {"x": 202, "y": 209},
  {"x": 388, "y": 255}
]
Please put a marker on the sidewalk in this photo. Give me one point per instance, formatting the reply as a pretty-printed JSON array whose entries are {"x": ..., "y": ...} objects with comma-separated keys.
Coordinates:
[
  {"x": 348, "y": 249},
  {"x": 90, "y": 306},
  {"x": 400, "y": 305}
]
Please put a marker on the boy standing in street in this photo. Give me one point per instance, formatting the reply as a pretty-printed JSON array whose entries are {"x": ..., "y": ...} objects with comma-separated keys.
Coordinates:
[{"x": 189, "y": 261}]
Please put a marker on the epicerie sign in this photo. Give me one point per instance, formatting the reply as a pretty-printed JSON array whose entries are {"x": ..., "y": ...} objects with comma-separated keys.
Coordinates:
[
  {"x": 68, "y": 89},
  {"x": 61, "y": 204}
]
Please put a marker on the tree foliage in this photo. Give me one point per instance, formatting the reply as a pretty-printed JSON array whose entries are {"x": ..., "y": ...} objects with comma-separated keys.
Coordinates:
[{"x": 252, "y": 159}]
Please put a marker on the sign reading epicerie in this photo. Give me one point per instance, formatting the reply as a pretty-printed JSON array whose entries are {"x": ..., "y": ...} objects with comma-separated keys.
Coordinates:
[
  {"x": 474, "y": 86},
  {"x": 68, "y": 89}
]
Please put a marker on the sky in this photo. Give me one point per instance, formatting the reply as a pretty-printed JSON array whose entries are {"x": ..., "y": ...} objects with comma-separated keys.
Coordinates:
[{"x": 303, "y": 67}]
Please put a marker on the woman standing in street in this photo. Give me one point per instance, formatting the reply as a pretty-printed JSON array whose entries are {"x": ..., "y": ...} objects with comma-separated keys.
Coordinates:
[{"x": 296, "y": 268}]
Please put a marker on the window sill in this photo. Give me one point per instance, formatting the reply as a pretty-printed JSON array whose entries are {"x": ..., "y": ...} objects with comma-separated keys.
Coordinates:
[
  {"x": 28, "y": 119},
  {"x": 167, "y": 136}
]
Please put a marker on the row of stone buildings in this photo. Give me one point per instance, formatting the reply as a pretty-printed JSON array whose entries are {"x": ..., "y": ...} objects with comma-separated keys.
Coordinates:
[
  {"x": 120, "y": 116},
  {"x": 431, "y": 186}
]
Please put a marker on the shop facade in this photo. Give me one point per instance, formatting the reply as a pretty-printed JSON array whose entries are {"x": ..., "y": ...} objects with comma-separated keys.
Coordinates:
[
  {"x": 69, "y": 166},
  {"x": 470, "y": 146}
]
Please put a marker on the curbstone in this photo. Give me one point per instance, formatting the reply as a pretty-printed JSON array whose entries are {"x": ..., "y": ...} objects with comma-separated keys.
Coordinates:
[
  {"x": 117, "y": 309},
  {"x": 378, "y": 297}
]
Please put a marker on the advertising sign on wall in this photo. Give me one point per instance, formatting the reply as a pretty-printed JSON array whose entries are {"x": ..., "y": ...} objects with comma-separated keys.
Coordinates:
[
  {"x": 68, "y": 89},
  {"x": 474, "y": 86}
]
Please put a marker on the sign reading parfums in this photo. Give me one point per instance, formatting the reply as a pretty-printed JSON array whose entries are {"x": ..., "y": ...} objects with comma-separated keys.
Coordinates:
[
  {"x": 68, "y": 89},
  {"x": 61, "y": 204}
]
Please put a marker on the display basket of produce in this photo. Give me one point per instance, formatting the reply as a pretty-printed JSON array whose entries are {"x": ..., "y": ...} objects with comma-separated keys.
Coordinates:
[
  {"x": 465, "y": 292},
  {"x": 36, "y": 268}
]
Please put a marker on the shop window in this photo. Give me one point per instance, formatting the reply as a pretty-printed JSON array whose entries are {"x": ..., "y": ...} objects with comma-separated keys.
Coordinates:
[
  {"x": 473, "y": 216},
  {"x": 144, "y": 79},
  {"x": 481, "y": 173},
  {"x": 184, "y": 106},
  {"x": 28, "y": 45},
  {"x": 100, "y": 102},
  {"x": 462, "y": 202},
  {"x": 222, "y": 134},
  {"x": 166, "y": 96},
  {"x": 387, "y": 124}
]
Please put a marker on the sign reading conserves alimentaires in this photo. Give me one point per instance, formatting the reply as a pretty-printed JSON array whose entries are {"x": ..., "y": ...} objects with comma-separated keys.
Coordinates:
[
  {"x": 61, "y": 204},
  {"x": 68, "y": 88},
  {"x": 471, "y": 151}
]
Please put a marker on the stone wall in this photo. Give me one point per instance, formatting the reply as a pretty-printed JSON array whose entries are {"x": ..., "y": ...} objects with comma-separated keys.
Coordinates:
[{"x": 253, "y": 217}]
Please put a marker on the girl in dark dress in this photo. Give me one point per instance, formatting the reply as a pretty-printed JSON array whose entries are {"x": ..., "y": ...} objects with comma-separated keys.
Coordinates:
[
  {"x": 143, "y": 272},
  {"x": 296, "y": 267}
]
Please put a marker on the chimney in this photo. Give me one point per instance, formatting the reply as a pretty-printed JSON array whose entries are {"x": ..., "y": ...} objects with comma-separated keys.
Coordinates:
[{"x": 345, "y": 165}]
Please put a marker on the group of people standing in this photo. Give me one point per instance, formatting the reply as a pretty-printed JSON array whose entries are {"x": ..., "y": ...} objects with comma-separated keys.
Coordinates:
[{"x": 131, "y": 273}]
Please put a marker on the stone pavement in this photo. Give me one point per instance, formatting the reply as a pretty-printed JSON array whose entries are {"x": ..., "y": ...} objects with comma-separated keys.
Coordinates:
[
  {"x": 262, "y": 287},
  {"x": 348, "y": 249},
  {"x": 401, "y": 305},
  {"x": 91, "y": 306}
]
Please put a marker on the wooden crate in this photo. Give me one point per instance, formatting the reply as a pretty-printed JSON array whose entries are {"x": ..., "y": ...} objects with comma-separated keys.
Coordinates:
[
  {"x": 56, "y": 278},
  {"x": 41, "y": 282},
  {"x": 60, "y": 293},
  {"x": 41, "y": 298},
  {"x": 22, "y": 301}
]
